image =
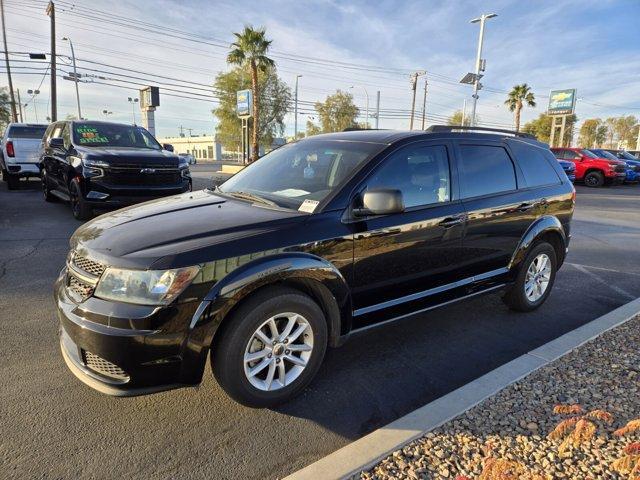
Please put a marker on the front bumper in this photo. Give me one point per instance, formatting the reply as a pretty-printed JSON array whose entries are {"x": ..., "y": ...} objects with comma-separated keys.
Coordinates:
[
  {"x": 126, "y": 350},
  {"x": 116, "y": 196},
  {"x": 24, "y": 169},
  {"x": 632, "y": 176}
]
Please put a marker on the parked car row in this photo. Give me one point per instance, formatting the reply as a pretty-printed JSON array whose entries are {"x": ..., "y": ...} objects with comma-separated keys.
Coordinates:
[
  {"x": 596, "y": 167},
  {"x": 93, "y": 164}
]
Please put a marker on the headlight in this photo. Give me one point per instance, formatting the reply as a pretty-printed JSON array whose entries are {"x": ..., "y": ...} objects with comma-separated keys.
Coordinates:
[
  {"x": 87, "y": 162},
  {"x": 183, "y": 162},
  {"x": 144, "y": 287}
]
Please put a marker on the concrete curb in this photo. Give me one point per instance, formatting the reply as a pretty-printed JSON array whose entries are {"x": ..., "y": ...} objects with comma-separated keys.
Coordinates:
[{"x": 370, "y": 449}]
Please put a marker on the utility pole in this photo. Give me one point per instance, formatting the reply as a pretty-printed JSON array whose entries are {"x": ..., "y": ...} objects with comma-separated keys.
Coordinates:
[
  {"x": 424, "y": 103},
  {"x": 14, "y": 114},
  {"x": 377, "y": 108},
  {"x": 414, "y": 81},
  {"x": 638, "y": 141},
  {"x": 479, "y": 63},
  {"x": 464, "y": 112},
  {"x": 20, "y": 107},
  {"x": 295, "y": 111},
  {"x": 181, "y": 131},
  {"x": 75, "y": 75},
  {"x": 51, "y": 12}
]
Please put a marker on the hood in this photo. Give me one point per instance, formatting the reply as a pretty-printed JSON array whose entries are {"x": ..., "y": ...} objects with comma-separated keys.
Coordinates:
[
  {"x": 130, "y": 157},
  {"x": 183, "y": 230}
]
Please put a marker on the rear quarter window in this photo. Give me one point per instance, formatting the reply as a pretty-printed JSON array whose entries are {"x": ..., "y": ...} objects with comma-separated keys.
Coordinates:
[
  {"x": 535, "y": 164},
  {"x": 485, "y": 169}
]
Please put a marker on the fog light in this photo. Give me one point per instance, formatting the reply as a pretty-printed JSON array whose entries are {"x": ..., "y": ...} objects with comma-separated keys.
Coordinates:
[{"x": 92, "y": 195}]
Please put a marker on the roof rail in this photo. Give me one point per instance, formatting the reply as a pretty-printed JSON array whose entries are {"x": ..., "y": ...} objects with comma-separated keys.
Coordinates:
[{"x": 451, "y": 128}]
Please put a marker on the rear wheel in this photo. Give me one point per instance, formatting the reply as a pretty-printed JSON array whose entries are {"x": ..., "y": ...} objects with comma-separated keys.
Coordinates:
[
  {"x": 594, "y": 179},
  {"x": 534, "y": 280},
  {"x": 79, "y": 207},
  {"x": 271, "y": 349}
]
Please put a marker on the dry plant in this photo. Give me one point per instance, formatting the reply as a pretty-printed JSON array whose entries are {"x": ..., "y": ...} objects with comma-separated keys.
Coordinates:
[
  {"x": 501, "y": 469},
  {"x": 629, "y": 463},
  {"x": 579, "y": 429}
]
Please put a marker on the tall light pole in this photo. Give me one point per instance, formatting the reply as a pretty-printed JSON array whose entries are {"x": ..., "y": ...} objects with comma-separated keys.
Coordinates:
[
  {"x": 106, "y": 113},
  {"x": 366, "y": 121},
  {"x": 14, "y": 112},
  {"x": 479, "y": 63},
  {"x": 33, "y": 94},
  {"x": 133, "y": 102},
  {"x": 295, "y": 111},
  {"x": 75, "y": 75}
]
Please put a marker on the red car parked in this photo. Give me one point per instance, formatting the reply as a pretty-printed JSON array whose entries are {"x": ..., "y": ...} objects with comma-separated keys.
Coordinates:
[{"x": 591, "y": 169}]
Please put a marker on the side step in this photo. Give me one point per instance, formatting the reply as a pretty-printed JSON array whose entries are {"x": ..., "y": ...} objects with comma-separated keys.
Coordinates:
[{"x": 60, "y": 195}]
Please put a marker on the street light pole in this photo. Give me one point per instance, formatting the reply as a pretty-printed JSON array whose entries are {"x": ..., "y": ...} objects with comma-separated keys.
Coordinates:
[
  {"x": 14, "y": 112},
  {"x": 33, "y": 94},
  {"x": 295, "y": 112},
  {"x": 133, "y": 102},
  {"x": 476, "y": 84},
  {"x": 75, "y": 76}
]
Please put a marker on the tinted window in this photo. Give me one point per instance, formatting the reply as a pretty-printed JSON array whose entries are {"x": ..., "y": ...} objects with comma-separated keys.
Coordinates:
[
  {"x": 23, "y": 131},
  {"x": 534, "y": 164},
  {"x": 485, "y": 169},
  {"x": 97, "y": 134},
  {"x": 421, "y": 173}
]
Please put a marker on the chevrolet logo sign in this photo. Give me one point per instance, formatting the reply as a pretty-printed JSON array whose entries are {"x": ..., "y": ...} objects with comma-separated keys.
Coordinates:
[{"x": 148, "y": 170}]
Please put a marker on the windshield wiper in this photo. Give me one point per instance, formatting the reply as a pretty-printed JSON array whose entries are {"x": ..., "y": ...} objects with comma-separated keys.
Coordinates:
[{"x": 253, "y": 197}]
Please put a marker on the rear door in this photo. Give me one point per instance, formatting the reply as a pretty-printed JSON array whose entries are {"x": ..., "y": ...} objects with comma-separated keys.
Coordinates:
[
  {"x": 498, "y": 212},
  {"x": 398, "y": 258}
]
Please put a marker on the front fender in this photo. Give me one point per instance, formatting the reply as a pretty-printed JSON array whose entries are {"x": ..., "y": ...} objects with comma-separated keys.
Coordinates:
[
  {"x": 547, "y": 224},
  {"x": 314, "y": 275}
]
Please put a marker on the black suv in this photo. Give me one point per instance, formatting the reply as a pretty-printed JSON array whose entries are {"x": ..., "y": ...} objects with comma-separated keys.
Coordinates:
[
  {"x": 104, "y": 165},
  {"x": 316, "y": 240}
]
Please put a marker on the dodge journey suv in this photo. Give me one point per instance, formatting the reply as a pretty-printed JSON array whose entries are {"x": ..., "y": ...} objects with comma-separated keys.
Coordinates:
[{"x": 314, "y": 241}]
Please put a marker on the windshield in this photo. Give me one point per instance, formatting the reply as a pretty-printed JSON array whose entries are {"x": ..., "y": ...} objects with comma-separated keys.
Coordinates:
[
  {"x": 27, "y": 131},
  {"x": 301, "y": 174},
  {"x": 113, "y": 135},
  {"x": 588, "y": 153},
  {"x": 627, "y": 156},
  {"x": 605, "y": 154}
]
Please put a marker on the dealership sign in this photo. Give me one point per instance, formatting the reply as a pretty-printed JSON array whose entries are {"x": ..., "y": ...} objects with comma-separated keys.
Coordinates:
[
  {"x": 562, "y": 102},
  {"x": 244, "y": 101}
]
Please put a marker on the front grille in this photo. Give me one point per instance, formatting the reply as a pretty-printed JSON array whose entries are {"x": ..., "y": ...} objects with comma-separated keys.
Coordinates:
[
  {"x": 103, "y": 367},
  {"x": 80, "y": 288},
  {"x": 619, "y": 168},
  {"x": 89, "y": 266},
  {"x": 134, "y": 177}
]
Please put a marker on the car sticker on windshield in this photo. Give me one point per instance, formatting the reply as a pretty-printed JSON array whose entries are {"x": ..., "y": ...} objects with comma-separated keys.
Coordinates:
[
  {"x": 90, "y": 135},
  {"x": 308, "y": 206}
]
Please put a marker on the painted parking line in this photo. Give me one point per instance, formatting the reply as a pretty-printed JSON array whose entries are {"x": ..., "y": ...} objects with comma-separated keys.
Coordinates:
[
  {"x": 591, "y": 267},
  {"x": 599, "y": 279}
]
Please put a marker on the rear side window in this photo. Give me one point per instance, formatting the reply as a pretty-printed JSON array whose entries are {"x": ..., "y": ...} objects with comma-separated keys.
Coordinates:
[
  {"x": 27, "y": 131},
  {"x": 534, "y": 163},
  {"x": 485, "y": 169}
]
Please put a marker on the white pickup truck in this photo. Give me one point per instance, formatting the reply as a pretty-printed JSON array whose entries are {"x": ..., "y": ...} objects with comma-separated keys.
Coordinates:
[{"x": 19, "y": 156}]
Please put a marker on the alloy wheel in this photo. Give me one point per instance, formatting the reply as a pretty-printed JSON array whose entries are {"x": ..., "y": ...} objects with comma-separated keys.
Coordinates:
[
  {"x": 278, "y": 351},
  {"x": 538, "y": 277}
]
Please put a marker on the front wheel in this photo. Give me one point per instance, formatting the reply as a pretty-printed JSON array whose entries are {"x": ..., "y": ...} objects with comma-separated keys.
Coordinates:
[
  {"x": 271, "y": 348},
  {"x": 534, "y": 280},
  {"x": 594, "y": 179},
  {"x": 79, "y": 207},
  {"x": 46, "y": 190}
]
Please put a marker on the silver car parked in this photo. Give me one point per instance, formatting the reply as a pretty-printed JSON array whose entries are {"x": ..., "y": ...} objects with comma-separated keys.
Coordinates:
[{"x": 19, "y": 156}]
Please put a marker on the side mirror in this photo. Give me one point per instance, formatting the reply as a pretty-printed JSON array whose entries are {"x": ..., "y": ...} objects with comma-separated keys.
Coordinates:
[
  {"x": 168, "y": 147},
  {"x": 57, "y": 143},
  {"x": 380, "y": 201}
]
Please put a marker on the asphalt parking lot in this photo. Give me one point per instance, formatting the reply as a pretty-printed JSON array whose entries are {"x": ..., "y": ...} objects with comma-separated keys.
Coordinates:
[{"x": 53, "y": 426}]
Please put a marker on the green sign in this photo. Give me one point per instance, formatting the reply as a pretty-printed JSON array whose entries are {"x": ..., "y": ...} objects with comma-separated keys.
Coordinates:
[{"x": 562, "y": 102}]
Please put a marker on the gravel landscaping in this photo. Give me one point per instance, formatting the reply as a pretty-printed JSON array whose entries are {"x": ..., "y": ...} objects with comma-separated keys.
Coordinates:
[{"x": 585, "y": 398}]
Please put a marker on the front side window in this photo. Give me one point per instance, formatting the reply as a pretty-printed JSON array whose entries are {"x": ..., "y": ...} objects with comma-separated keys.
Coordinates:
[
  {"x": 588, "y": 153},
  {"x": 301, "y": 174},
  {"x": 95, "y": 134},
  {"x": 421, "y": 173},
  {"x": 485, "y": 169},
  {"x": 534, "y": 163}
]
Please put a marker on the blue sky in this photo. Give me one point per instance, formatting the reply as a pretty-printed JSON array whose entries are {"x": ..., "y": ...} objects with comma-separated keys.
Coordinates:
[{"x": 593, "y": 46}]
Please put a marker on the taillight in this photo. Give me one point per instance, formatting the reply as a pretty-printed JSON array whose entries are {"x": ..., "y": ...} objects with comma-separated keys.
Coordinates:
[{"x": 10, "y": 151}]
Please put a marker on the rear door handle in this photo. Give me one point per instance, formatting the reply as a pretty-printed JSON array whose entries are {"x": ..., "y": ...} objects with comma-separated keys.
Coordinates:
[
  {"x": 523, "y": 207},
  {"x": 453, "y": 221}
]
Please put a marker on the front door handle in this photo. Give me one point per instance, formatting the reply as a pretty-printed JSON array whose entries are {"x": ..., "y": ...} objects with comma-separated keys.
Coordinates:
[
  {"x": 449, "y": 222},
  {"x": 523, "y": 207}
]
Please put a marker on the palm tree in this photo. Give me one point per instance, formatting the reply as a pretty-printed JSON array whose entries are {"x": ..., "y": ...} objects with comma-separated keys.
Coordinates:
[
  {"x": 250, "y": 50},
  {"x": 519, "y": 96}
]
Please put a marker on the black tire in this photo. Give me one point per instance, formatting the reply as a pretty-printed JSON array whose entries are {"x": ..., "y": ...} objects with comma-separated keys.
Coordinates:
[
  {"x": 516, "y": 297},
  {"x": 5, "y": 174},
  {"x": 594, "y": 179},
  {"x": 46, "y": 191},
  {"x": 13, "y": 182},
  {"x": 227, "y": 356},
  {"x": 79, "y": 207}
]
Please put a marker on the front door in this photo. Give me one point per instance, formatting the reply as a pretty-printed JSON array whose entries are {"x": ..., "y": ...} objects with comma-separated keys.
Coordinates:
[{"x": 399, "y": 258}]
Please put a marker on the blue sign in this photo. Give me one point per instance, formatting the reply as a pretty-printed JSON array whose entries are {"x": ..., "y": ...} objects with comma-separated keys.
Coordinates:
[
  {"x": 562, "y": 102},
  {"x": 244, "y": 103}
]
